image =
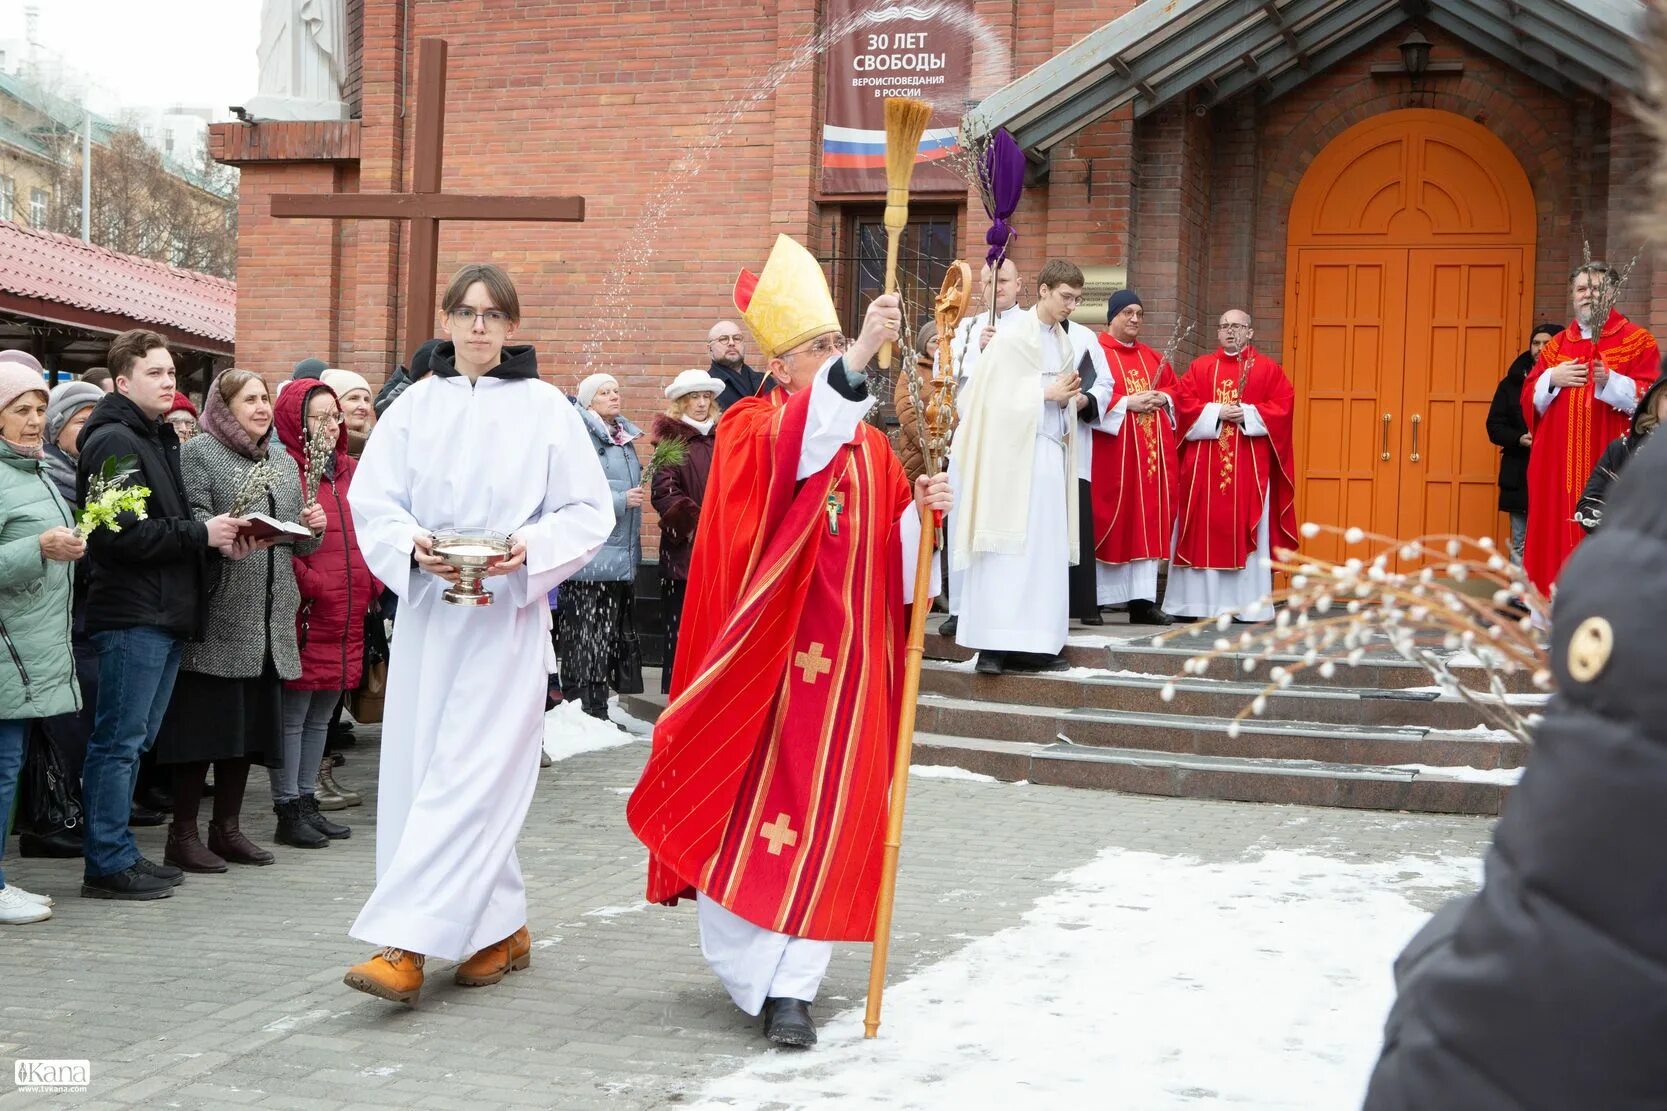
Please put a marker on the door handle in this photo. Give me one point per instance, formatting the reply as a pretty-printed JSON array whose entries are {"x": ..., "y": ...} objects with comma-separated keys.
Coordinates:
[
  {"x": 1416, "y": 421},
  {"x": 1386, "y": 419}
]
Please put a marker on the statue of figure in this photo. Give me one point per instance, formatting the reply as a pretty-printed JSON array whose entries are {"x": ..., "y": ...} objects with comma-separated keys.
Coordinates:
[{"x": 303, "y": 60}]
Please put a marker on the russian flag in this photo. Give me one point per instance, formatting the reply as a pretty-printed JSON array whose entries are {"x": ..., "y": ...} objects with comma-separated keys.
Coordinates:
[{"x": 850, "y": 148}]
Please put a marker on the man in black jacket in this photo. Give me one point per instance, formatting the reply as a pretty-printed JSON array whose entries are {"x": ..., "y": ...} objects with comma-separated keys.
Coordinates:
[
  {"x": 729, "y": 365},
  {"x": 148, "y": 591}
]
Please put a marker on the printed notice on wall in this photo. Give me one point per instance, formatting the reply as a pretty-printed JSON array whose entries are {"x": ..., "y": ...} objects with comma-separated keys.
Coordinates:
[{"x": 897, "y": 51}]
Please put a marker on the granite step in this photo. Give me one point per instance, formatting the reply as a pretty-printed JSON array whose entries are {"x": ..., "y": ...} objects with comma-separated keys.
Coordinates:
[{"x": 1237, "y": 779}]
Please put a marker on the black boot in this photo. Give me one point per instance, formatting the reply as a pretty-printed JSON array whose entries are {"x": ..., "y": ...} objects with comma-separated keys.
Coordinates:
[
  {"x": 947, "y": 629},
  {"x": 1147, "y": 613},
  {"x": 991, "y": 663},
  {"x": 787, "y": 1022},
  {"x": 594, "y": 699},
  {"x": 309, "y": 811},
  {"x": 293, "y": 828}
]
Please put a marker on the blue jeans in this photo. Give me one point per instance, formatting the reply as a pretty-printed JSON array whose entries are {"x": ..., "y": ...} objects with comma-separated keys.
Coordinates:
[
  {"x": 136, "y": 670},
  {"x": 13, "y": 736}
]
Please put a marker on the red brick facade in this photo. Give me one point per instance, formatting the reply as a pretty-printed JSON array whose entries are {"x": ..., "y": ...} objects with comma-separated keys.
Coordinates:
[{"x": 616, "y": 100}]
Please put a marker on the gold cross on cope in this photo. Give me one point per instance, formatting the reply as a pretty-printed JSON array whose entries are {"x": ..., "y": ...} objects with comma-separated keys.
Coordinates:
[
  {"x": 779, "y": 833},
  {"x": 835, "y": 506},
  {"x": 813, "y": 663}
]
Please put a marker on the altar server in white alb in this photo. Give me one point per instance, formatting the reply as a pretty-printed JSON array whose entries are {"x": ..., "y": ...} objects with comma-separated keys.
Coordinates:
[
  {"x": 481, "y": 442},
  {"x": 1017, "y": 530}
]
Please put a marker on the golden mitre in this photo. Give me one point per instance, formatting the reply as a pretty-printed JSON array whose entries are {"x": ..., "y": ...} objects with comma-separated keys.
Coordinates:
[{"x": 789, "y": 302}]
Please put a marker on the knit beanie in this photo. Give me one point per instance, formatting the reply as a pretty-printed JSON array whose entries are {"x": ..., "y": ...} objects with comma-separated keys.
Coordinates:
[
  {"x": 588, "y": 388},
  {"x": 66, "y": 400},
  {"x": 1121, "y": 300},
  {"x": 342, "y": 381}
]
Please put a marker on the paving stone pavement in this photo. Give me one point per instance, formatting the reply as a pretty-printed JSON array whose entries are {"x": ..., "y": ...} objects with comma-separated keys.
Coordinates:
[{"x": 230, "y": 993}]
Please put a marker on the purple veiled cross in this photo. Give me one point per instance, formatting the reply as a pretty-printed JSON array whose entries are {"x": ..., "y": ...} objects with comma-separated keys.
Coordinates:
[{"x": 1004, "y": 169}]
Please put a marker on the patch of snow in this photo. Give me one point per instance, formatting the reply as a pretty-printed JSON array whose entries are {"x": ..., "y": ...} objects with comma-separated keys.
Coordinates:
[
  {"x": 1530, "y": 698},
  {"x": 380, "y": 1070},
  {"x": 1485, "y": 732},
  {"x": 636, "y": 725},
  {"x": 948, "y": 771},
  {"x": 615, "y": 912},
  {"x": 1508, "y": 776},
  {"x": 290, "y": 1022},
  {"x": 1174, "y": 984},
  {"x": 569, "y": 731}
]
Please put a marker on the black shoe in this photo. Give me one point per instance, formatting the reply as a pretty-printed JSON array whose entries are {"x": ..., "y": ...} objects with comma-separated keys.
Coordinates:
[
  {"x": 60, "y": 844},
  {"x": 310, "y": 812},
  {"x": 947, "y": 629},
  {"x": 145, "y": 816},
  {"x": 991, "y": 663},
  {"x": 1092, "y": 619},
  {"x": 156, "y": 798},
  {"x": 167, "y": 873},
  {"x": 128, "y": 884},
  {"x": 1148, "y": 613},
  {"x": 787, "y": 1022},
  {"x": 1036, "y": 661},
  {"x": 294, "y": 830}
]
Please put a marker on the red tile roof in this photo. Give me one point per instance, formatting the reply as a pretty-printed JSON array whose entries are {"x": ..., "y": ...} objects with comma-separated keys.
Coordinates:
[{"x": 58, "y": 268}]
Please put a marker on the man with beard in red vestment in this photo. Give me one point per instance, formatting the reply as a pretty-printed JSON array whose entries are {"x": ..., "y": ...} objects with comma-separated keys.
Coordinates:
[
  {"x": 1580, "y": 395},
  {"x": 1135, "y": 467},
  {"x": 765, "y": 797},
  {"x": 1238, "y": 500}
]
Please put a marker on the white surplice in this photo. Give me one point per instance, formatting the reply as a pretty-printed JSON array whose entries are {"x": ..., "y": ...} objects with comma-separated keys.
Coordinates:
[
  {"x": 1197, "y": 592},
  {"x": 466, "y": 685},
  {"x": 1021, "y": 602},
  {"x": 964, "y": 350},
  {"x": 754, "y": 963}
]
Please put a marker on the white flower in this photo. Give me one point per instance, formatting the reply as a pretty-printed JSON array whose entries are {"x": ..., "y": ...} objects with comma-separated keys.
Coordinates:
[{"x": 1310, "y": 529}]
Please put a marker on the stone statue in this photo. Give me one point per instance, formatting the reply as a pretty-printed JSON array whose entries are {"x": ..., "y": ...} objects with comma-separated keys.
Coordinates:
[{"x": 303, "y": 60}]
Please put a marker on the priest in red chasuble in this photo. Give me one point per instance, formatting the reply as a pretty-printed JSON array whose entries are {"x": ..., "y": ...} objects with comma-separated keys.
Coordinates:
[
  {"x": 1238, "y": 497},
  {"x": 765, "y": 796},
  {"x": 1580, "y": 395},
  {"x": 1135, "y": 467}
]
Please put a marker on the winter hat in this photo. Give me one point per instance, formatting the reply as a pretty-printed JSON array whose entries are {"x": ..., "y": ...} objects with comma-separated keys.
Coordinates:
[
  {"x": 420, "y": 358},
  {"x": 693, "y": 381},
  {"x": 341, "y": 381},
  {"x": 310, "y": 368},
  {"x": 1121, "y": 300},
  {"x": 182, "y": 404},
  {"x": 64, "y": 402},
  {"x": 22, "y": 358},
  {"x": 588, "y": 388},
  {"x": 15, "y": 381}
]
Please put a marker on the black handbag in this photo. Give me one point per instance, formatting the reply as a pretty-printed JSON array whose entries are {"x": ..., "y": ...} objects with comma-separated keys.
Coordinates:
[
  {"x": 625, "y": 667},
  {"x": 51, "y": 801}
]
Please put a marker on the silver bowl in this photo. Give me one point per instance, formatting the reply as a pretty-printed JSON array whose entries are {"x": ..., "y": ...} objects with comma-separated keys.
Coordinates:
[{"x": 473, "y": 551}]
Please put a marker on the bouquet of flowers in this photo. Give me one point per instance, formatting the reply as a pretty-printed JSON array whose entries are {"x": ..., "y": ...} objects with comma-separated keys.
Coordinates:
[{"x": 109, "y": 496}]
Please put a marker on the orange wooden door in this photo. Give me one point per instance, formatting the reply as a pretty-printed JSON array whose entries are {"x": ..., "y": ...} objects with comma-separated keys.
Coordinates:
[
  {"x": 1464, "y": 320},
  {"x": 1351, "y": 305}
]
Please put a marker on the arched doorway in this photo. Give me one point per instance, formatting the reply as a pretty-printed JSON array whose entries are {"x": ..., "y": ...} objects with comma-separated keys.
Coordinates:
[{"x": 1409, "y": 290}]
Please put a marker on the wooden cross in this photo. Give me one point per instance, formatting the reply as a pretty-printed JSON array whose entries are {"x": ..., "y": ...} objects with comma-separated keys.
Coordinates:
[
  {"x": 813, "y": 663},
  {"x": 835, "y": 506},
  {"x": 778, "y": 833},
  {"x": 425, "y": 206}
]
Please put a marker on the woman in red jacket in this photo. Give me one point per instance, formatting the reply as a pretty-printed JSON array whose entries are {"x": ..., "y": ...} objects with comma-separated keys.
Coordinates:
[{"x": 337, "y": 590}]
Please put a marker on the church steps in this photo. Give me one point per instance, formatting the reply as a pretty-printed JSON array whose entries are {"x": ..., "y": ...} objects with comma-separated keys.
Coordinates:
[
  {"x": 1237, "y": 779},
  {"x": 1257, "y": 738},
  {"x": 1382, "y": 672},
  {"x": 1201, "y": 697}
]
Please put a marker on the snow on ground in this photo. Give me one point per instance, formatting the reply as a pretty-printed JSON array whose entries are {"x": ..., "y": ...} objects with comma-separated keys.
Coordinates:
[
  {"x": 1146, "y": 981},
  {"x": 946, "y": 771},
  {"x": 1508, "y": 776},
  {"x": 569, "y": 731}
]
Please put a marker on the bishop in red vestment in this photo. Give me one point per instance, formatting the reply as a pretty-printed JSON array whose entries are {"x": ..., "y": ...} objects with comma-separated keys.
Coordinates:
[
  {"x": 766, "y": 794},
  {"x": 1579, "y": 396},
  {"x": 1135, "y": 467},
  {"x": 1238, "y": 497}
]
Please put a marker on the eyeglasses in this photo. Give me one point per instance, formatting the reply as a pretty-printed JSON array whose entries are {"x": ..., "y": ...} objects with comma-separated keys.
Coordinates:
[
  {"x": 1072, "y": 299},
  {"x": 1232, "y": 327},
  {"x": 465, "y": 318},
  {"x": 827, "y": 345},
  {"x": 727, "y": 339}
]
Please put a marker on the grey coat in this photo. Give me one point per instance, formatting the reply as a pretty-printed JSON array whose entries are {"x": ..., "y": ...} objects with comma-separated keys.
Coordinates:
[
  {"x": 618, "y": 559},
  {"x": 253, "y": 603},
  {"x": 37, "y": 671}
]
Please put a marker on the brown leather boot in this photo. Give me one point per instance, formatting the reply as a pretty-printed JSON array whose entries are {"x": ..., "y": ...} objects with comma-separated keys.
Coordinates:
[
  {"x": 392, "y": 974},
  {"x": 494, "y": 962},
  {"x": 225, "y": 838},
  {"x": 187, "y": 852}
]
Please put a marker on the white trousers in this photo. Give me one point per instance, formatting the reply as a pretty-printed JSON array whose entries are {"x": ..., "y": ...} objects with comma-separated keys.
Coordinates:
[{"x": 755, "y": 964}]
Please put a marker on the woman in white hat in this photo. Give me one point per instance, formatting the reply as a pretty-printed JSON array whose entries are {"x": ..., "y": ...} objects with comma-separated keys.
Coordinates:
[{"x": 692, "y": 417}]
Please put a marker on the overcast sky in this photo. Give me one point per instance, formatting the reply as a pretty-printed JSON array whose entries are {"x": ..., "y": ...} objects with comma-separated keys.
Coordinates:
[{"x": 141, "y": 53}]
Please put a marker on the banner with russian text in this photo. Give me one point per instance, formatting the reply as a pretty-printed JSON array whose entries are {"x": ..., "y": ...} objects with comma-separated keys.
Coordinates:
[{"x": 896, "y": 51}]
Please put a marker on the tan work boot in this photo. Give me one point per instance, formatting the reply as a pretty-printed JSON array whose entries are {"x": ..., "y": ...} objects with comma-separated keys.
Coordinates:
[
  {"x": 392, "y": 974},
  {"x": 494, "y": 962}
]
